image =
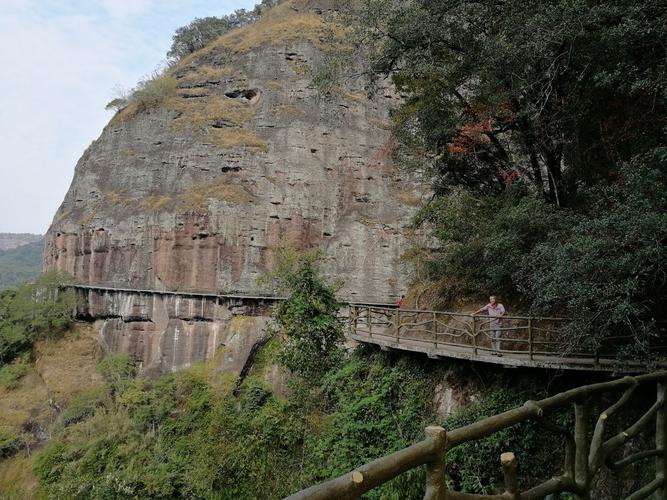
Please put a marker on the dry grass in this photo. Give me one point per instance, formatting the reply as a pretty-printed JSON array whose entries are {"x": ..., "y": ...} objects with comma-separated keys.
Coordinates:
[
  {"x": 197, "y": 198},
  {"x": 279, "y": 26},
  {"x": 155, "y": 203},
  {"x": 238, "y": 137},
  {"x": 288, "y": 109},
  {"x": 17, "y": 479},
  {"x": 197, "y": 113},
  {"x": 384, "y": 125},
  {"x": 118, "y": 199},
  {"x": 88, "y": 217},
  {"x": 358, "y": 97},
  {"x": 409, "y": 198},
  {"x": 300, "y": 69},
  {"x": 275, "y": 85},
  {"x": 63, "y": 368},
  {"x": 208, "y": 73}
]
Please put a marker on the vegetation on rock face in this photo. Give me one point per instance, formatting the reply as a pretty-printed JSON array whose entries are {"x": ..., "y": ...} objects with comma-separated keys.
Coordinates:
[
  {"x": 203, "y": 31},
  {"x": 32, "y": 311},
  {"x": 307, "y": 321},
  {"x": 542, "y": 127}
]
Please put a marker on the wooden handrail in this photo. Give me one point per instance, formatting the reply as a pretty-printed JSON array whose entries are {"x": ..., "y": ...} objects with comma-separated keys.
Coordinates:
[
  {"x": 521, "y": 340},
  {"x": 587, "y": 453}
]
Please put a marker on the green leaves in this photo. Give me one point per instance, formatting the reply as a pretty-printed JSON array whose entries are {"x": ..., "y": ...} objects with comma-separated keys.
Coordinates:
[
  {"x": 34, "y": 310},
  {"x": 308, "y": 320}
]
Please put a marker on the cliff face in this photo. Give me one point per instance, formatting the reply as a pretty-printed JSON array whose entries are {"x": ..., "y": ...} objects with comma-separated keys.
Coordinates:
[
  {"x": 244, "y": 154},
  {"x": 241, "y": 153}
]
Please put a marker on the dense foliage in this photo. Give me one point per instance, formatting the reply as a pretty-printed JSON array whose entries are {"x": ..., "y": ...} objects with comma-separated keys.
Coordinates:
[
  {"x": 308, "y": 320},
  {"x": 31, "y": 311},
  {"x": 188, "y": 436},
  {"x": 20, "y": 264},
  {"x": 542, "y": 127}
]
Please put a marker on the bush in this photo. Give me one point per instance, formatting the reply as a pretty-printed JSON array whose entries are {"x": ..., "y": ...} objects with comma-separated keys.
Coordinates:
[
  {"x": 308, "y": 319},
  {"x": 32, "y": 311},
  {"x": 599, "y": 262},
  {"x": 12, "y": 373},
  {"x": 475, "y": 466}
]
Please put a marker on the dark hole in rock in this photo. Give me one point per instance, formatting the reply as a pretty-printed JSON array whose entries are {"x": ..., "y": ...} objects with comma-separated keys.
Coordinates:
[
  {"x": 252, "y": 238},
  {"x": 313, "y": 150},
  {"x": 247, "y": 94},
  {"x": 221, "y": 124},
  {"x": 230, "y": 169},
  {"x": 273, "y": 217},
  {"x": 326, "y": 234}
]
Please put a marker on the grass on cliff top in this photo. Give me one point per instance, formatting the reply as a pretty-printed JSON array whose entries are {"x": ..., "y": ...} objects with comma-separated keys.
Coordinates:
[{"x": 290, "y": 21}]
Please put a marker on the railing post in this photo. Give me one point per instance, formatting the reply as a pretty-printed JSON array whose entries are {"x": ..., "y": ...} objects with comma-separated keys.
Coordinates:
[
  {"x": 353, "y": 319},
  {"x": 530, "y": 338},
  {"x": 661, "y": 441},
  {"x": 369, "y": 322},
  {"x": 581, "y": 447},
  {"x": 436, "y": 488},
  {"x": 508, "y": 461},
  {"x": 398, "y": 326},
  {"x": 435, "y": 331},
  {"x": 474, "y": 335}
]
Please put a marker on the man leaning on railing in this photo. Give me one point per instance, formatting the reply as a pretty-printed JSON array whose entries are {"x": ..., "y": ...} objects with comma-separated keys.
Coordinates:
[{"x": 496, "y": 311}]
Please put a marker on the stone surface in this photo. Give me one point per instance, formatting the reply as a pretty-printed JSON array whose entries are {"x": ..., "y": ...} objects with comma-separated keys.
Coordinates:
[
  {"x": 168, "y": 333},
  {"x": 244, "y": 155}
]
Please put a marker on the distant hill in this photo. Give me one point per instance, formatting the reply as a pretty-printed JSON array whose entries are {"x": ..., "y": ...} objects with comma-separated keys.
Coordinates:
[
  {"x": 15, "y": 240},
  {"x": 21, "y": 262}
]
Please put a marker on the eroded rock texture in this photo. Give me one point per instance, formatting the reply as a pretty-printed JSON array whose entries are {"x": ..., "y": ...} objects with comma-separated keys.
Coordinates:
[
  {"x": 243, "y": 155},
  {"x": 166, "y": 333}
]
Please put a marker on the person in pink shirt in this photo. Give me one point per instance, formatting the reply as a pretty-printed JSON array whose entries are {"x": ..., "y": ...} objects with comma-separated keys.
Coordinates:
[{"x": 496, "y": 311}]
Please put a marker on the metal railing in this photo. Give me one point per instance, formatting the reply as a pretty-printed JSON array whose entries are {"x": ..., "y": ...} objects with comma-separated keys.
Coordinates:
[
  {"x": 511, "y": 340},
  {"x": 587, "y": 449}
]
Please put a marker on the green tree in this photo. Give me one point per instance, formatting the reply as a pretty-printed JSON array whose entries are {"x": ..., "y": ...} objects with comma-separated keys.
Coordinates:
[
  {"x": 34, "y": 310},
  {"x": 553, "y": 94},
  {"x": 308, "y": 320}
]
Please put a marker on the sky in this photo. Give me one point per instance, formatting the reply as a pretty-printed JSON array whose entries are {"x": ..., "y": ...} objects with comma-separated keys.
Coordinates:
[{"x": 60, "y": 62}]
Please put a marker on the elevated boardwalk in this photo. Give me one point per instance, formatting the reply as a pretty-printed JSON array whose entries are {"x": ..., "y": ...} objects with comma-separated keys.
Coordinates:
[{"x": 523, "y": 341}]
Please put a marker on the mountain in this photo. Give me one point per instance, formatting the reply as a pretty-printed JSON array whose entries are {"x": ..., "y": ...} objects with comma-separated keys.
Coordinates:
[
  {"x": 20, "y": 258},
  {"x": 236, "y": 151},
  {"x": 15, "y": 240}
]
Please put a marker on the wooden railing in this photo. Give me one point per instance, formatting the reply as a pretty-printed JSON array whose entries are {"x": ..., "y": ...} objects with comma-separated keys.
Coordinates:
[
  {"x": 513, "y": 340},
  {"x": 587, "y": 450}
]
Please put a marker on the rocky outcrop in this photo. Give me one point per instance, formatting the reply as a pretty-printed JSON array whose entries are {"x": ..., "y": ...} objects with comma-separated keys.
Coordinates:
[
  {"x": 167, "y": 333},
  {"x": 240, "y": 153}
]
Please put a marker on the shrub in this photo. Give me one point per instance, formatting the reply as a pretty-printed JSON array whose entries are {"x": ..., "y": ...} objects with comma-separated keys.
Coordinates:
[
  {"x": 308, "y": 319},
  {"x": 32, "y": 311}
]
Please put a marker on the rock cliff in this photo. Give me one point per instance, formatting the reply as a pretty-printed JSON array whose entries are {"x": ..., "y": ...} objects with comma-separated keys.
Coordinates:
[{"x": 242, "y": 152}]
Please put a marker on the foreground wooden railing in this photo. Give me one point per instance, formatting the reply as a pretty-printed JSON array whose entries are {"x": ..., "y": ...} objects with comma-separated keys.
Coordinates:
[
  {"x": 519, "y": 340},
  {"x": 587, "y": 450}
]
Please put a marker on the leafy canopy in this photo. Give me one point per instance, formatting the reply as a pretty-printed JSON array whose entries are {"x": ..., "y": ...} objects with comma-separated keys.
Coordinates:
[{"x": 308, "y": 320}]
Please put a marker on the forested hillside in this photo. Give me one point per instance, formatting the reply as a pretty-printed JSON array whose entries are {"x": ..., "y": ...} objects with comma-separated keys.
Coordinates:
[{"x": 21, "y": 263}]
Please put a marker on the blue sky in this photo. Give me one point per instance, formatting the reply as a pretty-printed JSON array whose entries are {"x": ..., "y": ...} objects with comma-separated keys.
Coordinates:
[{"x": 61, "y": 60}]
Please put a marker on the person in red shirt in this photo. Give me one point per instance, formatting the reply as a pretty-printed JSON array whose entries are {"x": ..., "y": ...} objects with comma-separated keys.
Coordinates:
[{"x": 401, "y": 302}]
